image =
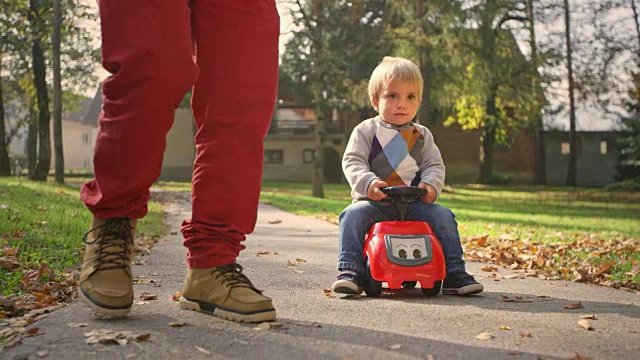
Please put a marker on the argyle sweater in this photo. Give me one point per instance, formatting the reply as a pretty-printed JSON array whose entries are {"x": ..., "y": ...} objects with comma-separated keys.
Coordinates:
[{"x": 399, "y": 155}]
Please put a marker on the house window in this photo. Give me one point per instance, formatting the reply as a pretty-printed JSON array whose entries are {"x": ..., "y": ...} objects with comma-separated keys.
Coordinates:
[
  {"x": 603, "y": 147},
  {"x": 273, "y": 156},
  {"x": 85, "y": 138},
  {"x": 565, "y": 148},
  {"x": 308, "y": 156}
]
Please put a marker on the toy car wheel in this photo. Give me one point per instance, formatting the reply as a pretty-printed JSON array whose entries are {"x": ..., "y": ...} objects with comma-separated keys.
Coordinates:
[
  {"x": 409, "y": 284},
  {"x": 372, "y": 287},
  {"x": 434, "y": 291}
]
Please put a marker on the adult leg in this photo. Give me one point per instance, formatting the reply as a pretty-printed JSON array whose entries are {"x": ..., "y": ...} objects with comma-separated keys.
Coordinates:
[
  {"x": 237, "y": 51},
  {"x": 146, "y": 46},
  {"x": 233, "y": 99}
]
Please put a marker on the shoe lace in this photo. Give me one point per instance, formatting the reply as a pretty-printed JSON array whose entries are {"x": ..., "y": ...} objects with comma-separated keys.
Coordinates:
[
  {"x": 114, "y": 241},
  {"x": 232, "y": 275}
]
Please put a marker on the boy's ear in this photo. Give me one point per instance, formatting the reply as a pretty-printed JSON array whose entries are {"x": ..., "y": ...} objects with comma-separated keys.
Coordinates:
[{"x": 375, "y": 104}]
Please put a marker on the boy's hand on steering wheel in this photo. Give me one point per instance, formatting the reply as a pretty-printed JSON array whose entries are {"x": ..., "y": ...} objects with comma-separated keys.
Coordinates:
[
  {"x": 374, "y": 192},
  {"x": 431, "y": 192}
]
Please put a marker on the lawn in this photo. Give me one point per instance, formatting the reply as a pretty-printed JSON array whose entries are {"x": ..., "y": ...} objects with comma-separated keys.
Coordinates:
[{"x": 41, "y": 227}]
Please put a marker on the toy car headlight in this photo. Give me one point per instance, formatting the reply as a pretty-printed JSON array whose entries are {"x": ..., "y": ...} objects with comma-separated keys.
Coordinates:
[{"x": 408, "y": 250}]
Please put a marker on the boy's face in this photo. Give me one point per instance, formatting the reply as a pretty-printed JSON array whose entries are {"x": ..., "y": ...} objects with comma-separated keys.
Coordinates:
[{"x": 398, "y": 103}]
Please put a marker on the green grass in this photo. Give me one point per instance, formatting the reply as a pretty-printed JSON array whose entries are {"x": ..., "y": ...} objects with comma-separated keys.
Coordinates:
[
  {"x": 45, "y": 223},
  {"x": 538, "y": 213}
]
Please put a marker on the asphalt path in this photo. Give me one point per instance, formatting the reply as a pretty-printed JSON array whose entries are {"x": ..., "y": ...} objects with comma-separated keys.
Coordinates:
[{"x": 293, "y": 259}]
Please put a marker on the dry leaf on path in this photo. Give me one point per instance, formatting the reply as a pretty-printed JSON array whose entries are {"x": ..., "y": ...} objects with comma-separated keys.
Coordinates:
[
  {"x": 394, "y": 346},
  {"x": 505, "y": 327},
  {"x": 148, "y": 296},
  {"x": 177, "y": 324},
  {"x": 77, "y": 324},
  {"x": 585, "y": 324},
  {"x": 275, "y": 221},
  {"x": 484, "y": 336},
  {"x": 489, "y": 268},
  {"x": 203, "y": 350},
  {"x": 590, "y": 317},
  {"x": 525, "y": 334},
  {"x": 573, "y": 306}
]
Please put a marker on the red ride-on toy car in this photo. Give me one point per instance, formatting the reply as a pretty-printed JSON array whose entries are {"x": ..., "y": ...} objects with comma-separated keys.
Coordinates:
[{"x": 403, "y": 253}]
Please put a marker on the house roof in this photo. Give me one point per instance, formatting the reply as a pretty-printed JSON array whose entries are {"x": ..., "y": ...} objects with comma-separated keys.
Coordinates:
[{"x": 80, "y": 114}]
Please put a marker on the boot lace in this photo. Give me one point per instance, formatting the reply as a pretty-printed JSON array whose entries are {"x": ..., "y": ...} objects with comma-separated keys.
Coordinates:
[
  {"x": 113, "y": 243},
  {"x": 232, "y": 275}
]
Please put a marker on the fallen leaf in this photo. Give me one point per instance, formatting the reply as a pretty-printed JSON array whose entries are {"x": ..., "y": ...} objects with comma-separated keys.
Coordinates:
[
  {"x": 77, "y": 324},
  {"x": 275, "y": 221},
  {"x": 484, "y": 336},
  {"x": 512, "y": 276},
  {"x": 505, "y": 327},
  {"x": 42, "y": 353},
  {"x": 581, "y": 357},
  {"x": 395, "y": 346},
  {"x": 573, "y": 306},
  {"x": 300, "y": 260},
  {"x": 263, "y": 326},
  {"x": 148, "y": 296},
  {"x": 177, "y": 296},
  {"x": 292, "y": 263},
  {"x": 177, "y": 324},
  {"x": 203, "y": 350},
  {"x": 585, "y": 324},
  {"x": 590, "y": 317},
  {"x": 489, "y": 268},
  {"x": 326, "y": 291},
  {"x": 525, "y": 334}
]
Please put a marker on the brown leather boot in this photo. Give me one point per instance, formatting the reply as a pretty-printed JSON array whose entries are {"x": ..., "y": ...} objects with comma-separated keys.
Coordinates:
[
  {"x": 226, "y": 293},
  {"x": 105, "y": 279}
]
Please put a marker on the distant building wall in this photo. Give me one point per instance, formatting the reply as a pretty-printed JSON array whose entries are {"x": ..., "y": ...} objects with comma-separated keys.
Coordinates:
[
  {"x": 460, "y": 151},
  {"x": 180, "y": 152},
  {"x": 78, "y": 143},
  {"x": 290, "y": 157},
  {"x": 596, "y": 158}
]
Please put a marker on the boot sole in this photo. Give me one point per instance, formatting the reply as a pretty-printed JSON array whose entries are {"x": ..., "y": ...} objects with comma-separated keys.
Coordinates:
[
  {"x": 268, "y": 315},
  {"x": 101, "y": 310},
  {"x": 464, "y": 291}
]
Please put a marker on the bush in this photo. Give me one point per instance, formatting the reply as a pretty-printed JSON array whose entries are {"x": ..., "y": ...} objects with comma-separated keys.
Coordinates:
[{"x": 626, "y": 185}]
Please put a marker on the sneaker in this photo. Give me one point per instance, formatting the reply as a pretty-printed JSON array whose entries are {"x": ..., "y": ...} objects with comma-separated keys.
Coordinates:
[
  {"x": 105, "y": 279},
  {"x": 225, "y": 292},
  {"x": 348, "y": 283},
  {"x": 461, "y": 283}
]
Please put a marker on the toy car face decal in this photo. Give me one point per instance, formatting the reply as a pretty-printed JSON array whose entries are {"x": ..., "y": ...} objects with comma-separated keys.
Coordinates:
[{"x": 408, "y": 250}]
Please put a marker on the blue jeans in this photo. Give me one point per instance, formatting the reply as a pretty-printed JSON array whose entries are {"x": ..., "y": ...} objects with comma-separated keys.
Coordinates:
[{"x": 357, "y": 219}]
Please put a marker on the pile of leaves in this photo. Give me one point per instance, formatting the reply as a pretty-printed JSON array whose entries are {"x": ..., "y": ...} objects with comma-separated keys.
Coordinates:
[{"x": 584, "y": 259}]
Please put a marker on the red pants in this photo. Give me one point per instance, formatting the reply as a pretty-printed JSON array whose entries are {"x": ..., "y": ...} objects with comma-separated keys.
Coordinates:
[{"x": 156, "y": 50}]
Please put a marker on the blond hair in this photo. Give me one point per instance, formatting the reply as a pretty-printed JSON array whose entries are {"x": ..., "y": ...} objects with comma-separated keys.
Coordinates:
[{"x": 392, "y": 69}]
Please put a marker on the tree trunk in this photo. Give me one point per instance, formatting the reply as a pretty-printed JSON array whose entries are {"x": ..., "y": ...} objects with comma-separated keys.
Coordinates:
[
  {"x": 5, "y": 167},
  {"x": 39, "y": 80},
  {"x": 488, "y": 138},
  {"x": 318, "y": 164},
  {"x": 57, "y": 93},
  {"x": 540, "y": 175},
  {"x": 32, "y": 142},
  {"x": 573, "y": 141}
]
